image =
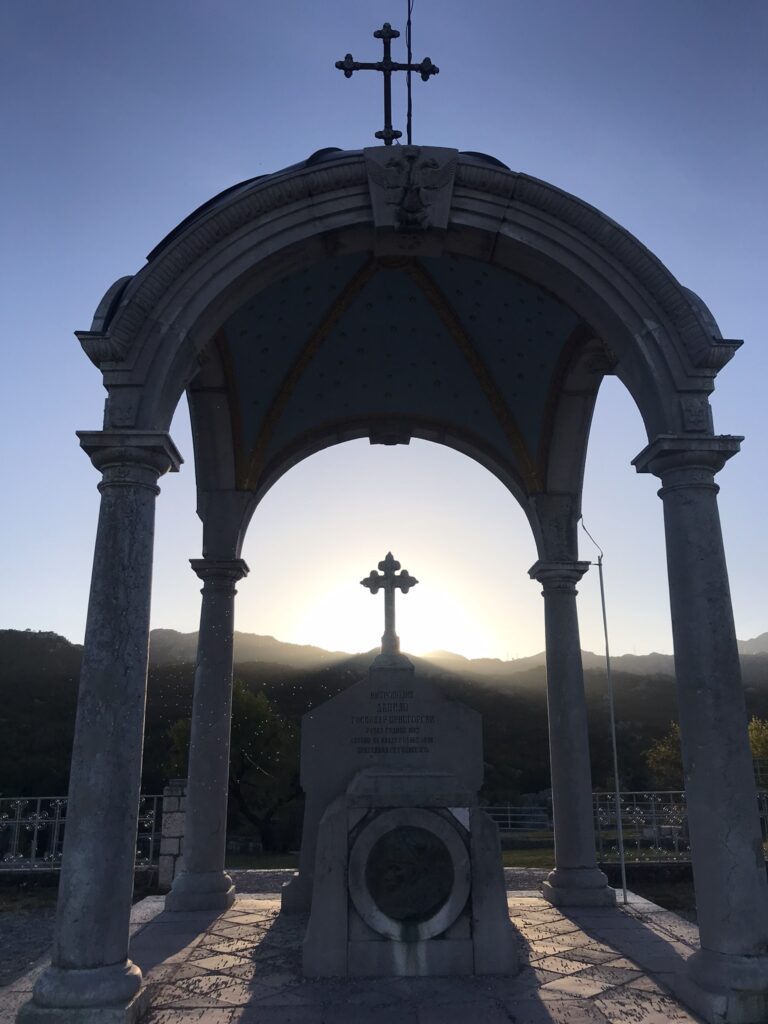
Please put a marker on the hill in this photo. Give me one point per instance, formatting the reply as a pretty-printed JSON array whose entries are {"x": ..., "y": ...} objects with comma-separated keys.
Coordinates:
[
  {"x": 38, "y": 694},
  {"x": 758, "y": 645},
  {"x": 169, "y": 647}
]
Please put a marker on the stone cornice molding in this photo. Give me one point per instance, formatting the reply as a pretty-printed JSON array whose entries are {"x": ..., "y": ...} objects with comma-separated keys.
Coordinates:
[
  {"x": 692, "y": 320},
  {"x": 219, "y": 573},
  {"x": 279, "y": 191},
  {"x": 558, "y": 577},
  {"x": 683, "y": 460},
  {"x": 497, "y": 197},
  {"x": 130, "y": 456},
  {"x": 102, "y": 348}
]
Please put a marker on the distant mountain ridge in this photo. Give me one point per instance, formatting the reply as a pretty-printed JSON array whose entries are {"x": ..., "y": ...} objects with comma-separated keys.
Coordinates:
[
  {"x": 634, "y": 664},
  {"x": 757, "y": 645},
  {"x": 168, "y": 646},
  {"x": 39, "y": 674}
]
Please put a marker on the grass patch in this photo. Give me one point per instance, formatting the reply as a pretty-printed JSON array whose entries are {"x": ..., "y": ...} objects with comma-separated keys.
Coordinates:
[{"x": 533, "y": 858}]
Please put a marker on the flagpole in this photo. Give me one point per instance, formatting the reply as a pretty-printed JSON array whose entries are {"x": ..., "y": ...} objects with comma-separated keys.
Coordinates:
[{"x": 612, "y": 716}]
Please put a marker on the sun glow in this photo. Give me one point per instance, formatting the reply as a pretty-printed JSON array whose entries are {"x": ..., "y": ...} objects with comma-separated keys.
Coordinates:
[{"x": 428, "y": 618}]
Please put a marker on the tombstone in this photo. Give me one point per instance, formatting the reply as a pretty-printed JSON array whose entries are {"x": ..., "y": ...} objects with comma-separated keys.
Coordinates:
[{"x": 399, "y": 865}]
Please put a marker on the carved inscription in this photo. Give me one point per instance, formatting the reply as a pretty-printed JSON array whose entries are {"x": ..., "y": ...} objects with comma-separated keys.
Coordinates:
[{"x": 393, "y": 725}]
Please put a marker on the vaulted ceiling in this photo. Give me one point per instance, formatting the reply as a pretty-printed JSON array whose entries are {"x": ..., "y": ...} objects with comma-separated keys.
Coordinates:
[{"x": 446, "y": 348}]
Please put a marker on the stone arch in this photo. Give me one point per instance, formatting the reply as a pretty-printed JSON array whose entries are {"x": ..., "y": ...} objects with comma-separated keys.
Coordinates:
[
  {"x": 151, "y": 332},
  {"x": 154, "y": 333}
]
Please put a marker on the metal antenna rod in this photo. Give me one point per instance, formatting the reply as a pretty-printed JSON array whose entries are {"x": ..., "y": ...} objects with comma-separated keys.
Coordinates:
[
  {"x": 409, "y": 112},
  {"x": 617, "y": 787}
]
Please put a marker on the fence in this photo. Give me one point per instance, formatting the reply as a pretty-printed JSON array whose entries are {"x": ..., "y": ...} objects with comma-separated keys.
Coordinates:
[
  {"x": 655, "y": 824},
  {"x": 520, "y": 819},
  {"x": 32, "y": 832}
]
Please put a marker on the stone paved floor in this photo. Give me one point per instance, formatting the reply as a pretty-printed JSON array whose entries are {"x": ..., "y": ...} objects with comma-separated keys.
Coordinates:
[{"x": 593, "y": 966}]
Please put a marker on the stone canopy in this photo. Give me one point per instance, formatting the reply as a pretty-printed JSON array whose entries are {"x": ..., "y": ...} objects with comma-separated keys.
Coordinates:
[{"x": 299, "y": 309}]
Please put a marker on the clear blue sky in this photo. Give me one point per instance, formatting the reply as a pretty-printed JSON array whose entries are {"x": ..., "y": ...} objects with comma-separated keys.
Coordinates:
[{"x": 119, "y": 119}]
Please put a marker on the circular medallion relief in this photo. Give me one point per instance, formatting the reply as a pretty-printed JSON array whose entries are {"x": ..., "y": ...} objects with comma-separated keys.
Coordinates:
[{"x": 409, "y": 875}]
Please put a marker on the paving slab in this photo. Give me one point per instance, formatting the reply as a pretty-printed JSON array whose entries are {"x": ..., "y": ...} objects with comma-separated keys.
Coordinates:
[{"x": 579, "y": 966}]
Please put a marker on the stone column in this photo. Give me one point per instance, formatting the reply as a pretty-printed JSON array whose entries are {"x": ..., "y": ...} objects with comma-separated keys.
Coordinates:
[
  {"x": 90, "y": 972},
  {"x": 203, "y": 884},
  {"x": 576, "y": 879},
  {"x": 726, "y": 844}
]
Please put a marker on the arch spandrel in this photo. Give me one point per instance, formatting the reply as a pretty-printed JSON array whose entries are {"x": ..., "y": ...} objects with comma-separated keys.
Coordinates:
[{"x": 447, "y": 230}]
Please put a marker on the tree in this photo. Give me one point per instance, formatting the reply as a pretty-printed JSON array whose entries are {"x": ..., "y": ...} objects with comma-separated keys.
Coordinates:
[
  {"x": 758, "y": 737},
  {"x": 263, "y": 761},
  {"x": 664, "y": 760}
]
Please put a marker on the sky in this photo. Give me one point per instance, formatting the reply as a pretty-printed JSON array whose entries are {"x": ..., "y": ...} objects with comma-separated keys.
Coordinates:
[{"x": 120, "y": 119}]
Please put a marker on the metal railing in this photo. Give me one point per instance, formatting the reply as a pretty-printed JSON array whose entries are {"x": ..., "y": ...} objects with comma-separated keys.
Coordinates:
[
  {"x": 520, "y": 819},
  {"x": 655, "y": 827},
  {"x": 32, "y": 832},
  {"x": 654, "y": 822}
]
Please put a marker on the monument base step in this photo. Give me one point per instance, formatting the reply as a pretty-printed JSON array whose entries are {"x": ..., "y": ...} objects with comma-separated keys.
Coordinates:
[
  {"x": 186, "y": 902},
  {"x": 733, "y": 1007},
  {"x": 447, "y": 958},
  {"x": 296, "y": 896},
  {"x": 127, "y": 1013}
]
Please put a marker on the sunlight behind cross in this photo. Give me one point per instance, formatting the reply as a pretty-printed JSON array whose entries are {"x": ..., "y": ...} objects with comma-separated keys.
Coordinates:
[{"x": 389, "y": 581}]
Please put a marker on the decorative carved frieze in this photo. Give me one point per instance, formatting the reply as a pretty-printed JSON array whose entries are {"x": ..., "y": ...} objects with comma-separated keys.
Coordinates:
[
  {"x": 411, "y": 191},
  {"x": 696, "y": 414}
]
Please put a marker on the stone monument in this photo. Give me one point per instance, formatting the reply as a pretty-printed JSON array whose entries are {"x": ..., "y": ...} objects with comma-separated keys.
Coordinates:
[{"x": 399, "y": 865}]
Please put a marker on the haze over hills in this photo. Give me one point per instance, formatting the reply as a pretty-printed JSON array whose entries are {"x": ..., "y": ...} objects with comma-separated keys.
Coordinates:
[
  {"x": 757, "y": 645},
  {"x": 169, "y": 647},
  {"x": 39, "y": 675}
]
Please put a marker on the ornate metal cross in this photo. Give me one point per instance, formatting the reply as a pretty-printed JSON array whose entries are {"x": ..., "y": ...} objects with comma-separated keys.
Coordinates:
[
  {"x": 386, "y": 33},
  {"x": 389, "y": 581}
]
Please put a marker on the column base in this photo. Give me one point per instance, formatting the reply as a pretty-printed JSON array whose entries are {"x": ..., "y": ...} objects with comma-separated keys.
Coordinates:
[
  {"x": 101, "y": 995},
  {"x": 725, "y": 989},
  {"x": 578, "y": 887},
  {"x": 210, "y": 890}
]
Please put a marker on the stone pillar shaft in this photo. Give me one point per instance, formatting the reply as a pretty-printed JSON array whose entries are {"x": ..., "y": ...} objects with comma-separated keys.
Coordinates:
[
  {"x": 576, "y": 878},
  {"x": 90, "y": 966},
  {"x": 726, "y": 842},
  {"x": 203, "y": 884}
]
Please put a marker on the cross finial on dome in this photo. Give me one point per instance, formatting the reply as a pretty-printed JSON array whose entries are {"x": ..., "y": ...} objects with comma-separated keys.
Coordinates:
[{"x": 426, "y": 68}]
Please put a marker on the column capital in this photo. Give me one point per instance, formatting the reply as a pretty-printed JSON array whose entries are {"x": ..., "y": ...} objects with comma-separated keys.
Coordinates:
[
  {"x": 668, "y": 453},
  {"x": 558, "y": 576},
  {"x": 219, "y": 570},
  {"x": 130, "y": 456}
]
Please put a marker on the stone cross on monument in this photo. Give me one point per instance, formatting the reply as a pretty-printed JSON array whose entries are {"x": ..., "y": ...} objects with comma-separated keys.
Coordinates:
[
  {"x": 389, "y": 581},
  {"x": 386, "y": 33}
]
